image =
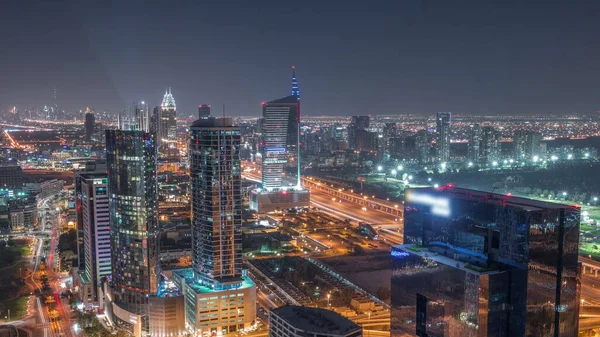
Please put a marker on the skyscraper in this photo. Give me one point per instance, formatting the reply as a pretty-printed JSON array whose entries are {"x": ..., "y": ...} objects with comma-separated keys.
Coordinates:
[
  {"x": 443, "y": 129},
  {"x": 422, "y": 144},
  {"x": 96, "y": 236},
  {"x": 357, "y": 123},
  {"x": 90, "y": 122},
  {"x": 491, "y": 145},
  {"x": 526, "y": 144},
  {"x": 483, "y": 264},
  {"x": 167, "y": 127},
  {"x": 216, "y": 199},
  {"x": 217, "y": 274},
  {"x": 474, "y": 145},
  {"x": 203, "y": 111},
  {"x": 133, "y": 205},
  {"x": 276, "y": 133}
]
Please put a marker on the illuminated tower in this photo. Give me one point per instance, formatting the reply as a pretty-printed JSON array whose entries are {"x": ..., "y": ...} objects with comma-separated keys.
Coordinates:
[
  {"x": 133, "y": 207},
  {"x": 443, "y": 130},
  {"x": 168, "y": 124},
  {"x": 295, "y": 88}
]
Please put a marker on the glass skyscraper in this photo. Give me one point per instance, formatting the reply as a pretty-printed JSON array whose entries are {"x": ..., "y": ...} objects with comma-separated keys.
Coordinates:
[
  {"x": 219, "y": 298},
  {"x": 443, "y": 129},
  {"x": 132, "y": 188},
  {"x": 483, "y": 264},
  {"x": 217, "y": 199},
  {"x": 167, "y": 127}
]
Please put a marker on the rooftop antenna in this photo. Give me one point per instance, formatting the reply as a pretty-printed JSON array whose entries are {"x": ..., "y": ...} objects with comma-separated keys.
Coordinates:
[{"x": 223, "y": 110}]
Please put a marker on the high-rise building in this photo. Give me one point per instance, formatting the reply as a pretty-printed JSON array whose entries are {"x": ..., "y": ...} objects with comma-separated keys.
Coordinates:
[
  {"x": 216, "y": 199},
  {"x": 422, "y": 145},
  {"x": 167, "y": 128},
  {"x": 483, "y": 264},
  {"x": 90, "y": 121},
  {"x": 203, "y": 111},
  {"x": 357, "y": 123},
  {"x": 275, "y": 138},
  {"x": 526, "y": 144},
  {"x": 297, "y": 321},
  {"x": 132, "y": 187},
  {"x": 217, "y": 274},
  {"x": 443, "y": 130},
  {"x": 92, "y": 167},
  {"x": 96, "y": 236},
  {"x": 474, "y": 145},
  {"x": 491, "y": 145}
]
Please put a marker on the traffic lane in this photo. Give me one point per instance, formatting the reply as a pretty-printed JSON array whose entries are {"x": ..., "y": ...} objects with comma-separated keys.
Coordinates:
[{"x": 352, "y": 209}]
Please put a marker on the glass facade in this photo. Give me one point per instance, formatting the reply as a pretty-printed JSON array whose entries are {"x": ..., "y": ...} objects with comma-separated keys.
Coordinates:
[
  {"x": 216, "y": 200},
  {"x": 481, "y": 264},
  {"x": 132, "y": 188},
  {"x": 280, "y": 137}
]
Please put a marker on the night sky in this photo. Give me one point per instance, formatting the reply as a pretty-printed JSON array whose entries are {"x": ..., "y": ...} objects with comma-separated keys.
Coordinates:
[{"x": 351, "y": 57}]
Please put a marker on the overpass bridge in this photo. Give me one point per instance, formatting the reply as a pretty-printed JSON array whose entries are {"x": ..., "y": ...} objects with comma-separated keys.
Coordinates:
[{"x": 385, "y": 206}]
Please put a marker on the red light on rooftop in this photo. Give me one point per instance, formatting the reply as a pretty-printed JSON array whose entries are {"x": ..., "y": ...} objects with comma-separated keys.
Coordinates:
[
  {"x": 263, "y": 103},
  {"x": 293, "y": 67},
  {"x": 449, "y": 185},
  {"x": 508, "y": 194}
]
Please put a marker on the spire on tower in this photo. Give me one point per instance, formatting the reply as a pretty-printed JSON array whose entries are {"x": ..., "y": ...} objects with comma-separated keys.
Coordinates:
[
  {"x": 295, "y": 88},
  {"x": 168, "y": 102}
]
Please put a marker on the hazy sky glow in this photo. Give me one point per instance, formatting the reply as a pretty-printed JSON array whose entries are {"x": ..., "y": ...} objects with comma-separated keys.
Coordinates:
[{"x": 352, "y": 57}]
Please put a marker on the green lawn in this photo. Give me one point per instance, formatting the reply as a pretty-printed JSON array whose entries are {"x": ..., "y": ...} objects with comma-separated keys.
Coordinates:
[{"x": 18, "y": 308}]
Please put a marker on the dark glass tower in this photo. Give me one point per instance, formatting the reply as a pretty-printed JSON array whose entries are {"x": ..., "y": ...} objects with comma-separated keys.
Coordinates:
[
  {"x": 132, "y": 187},
  {"x": 216, "y": 202},
  {"x": 484, "y": 264}
]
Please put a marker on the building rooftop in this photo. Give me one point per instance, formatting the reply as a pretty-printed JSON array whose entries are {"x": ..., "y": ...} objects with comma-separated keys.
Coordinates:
[
  {"x": 315, "y": 320},
  {"x": 213, "y": 122},
  {"x": 187, "y": 274},
  {"x": 506, "y": 200},
  {"x": 292, "y": 99}
]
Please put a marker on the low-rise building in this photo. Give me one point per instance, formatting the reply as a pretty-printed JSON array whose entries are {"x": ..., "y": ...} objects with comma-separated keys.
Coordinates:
[{"x": 297, "y": 321}]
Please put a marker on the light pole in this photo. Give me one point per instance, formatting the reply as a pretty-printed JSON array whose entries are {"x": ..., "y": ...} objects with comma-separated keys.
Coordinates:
[{"x": 328, "y": 297}]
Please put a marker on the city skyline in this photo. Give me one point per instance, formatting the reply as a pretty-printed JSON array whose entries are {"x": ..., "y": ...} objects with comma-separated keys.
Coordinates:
[{"x": 409, "y": 57}]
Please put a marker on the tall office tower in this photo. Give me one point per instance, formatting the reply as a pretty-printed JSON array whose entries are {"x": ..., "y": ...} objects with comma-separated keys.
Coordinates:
[
  {"x": 357, "y": 123},
  {"x": 474, "y": 145},
  {"x": 217, "y": 275},
  {"x": 483, "y": 264},
  {"x": 96, "y": 237},
  {"x": 154, "y": 122},
  {"x": 203, "y": 111},
  {"x": 491, "y": 145},
  {"x": 422, "y": 144},
  {"x": 216, "y": 199},
  {"x": 297, "y": 321},
  {"x": 132, "y": 186},
  {"x": 519, "y": 144},
  {"x": 275, "y": 133},
  {"x": 275, "y": 193},
  {"x": 90, "y": 121},
  {"x": 443, "y": 129},
  {"x": 167, "y": 128},
  {"x": 91, "y": 167}
]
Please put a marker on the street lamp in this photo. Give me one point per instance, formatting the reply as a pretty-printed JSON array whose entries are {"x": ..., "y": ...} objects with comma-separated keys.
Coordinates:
[
  {"x": 328, "y": 298},
  {"x": 379, "y": 168}
]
